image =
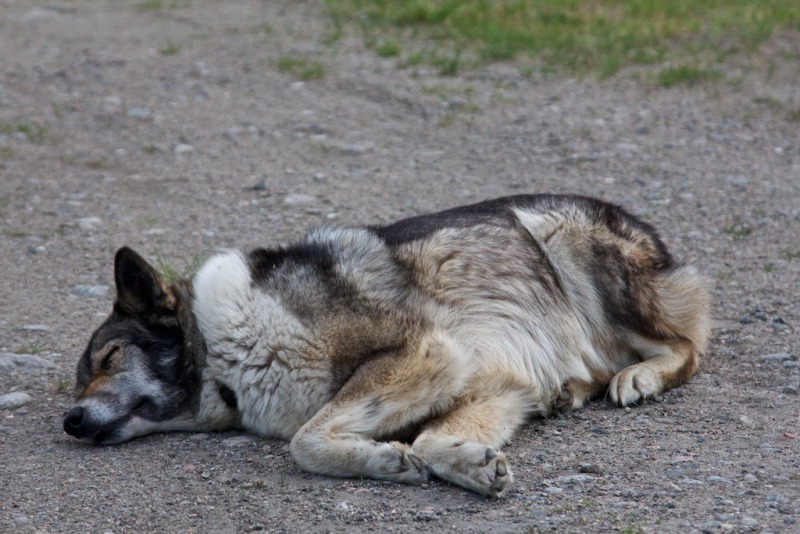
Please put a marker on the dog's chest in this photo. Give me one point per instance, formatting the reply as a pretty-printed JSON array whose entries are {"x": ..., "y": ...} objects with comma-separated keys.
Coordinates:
[
  {"x": 258, "y": 349},
  {"x": 275, "y": 393}
]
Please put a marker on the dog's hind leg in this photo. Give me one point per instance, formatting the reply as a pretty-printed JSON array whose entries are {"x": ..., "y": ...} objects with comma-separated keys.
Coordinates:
[
  {"x": 390, "y": 393},
  {"x": 462, "y": 446}
]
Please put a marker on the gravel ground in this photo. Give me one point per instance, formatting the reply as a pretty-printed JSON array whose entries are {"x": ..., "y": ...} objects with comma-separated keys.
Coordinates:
[{"x": 173, "y": 130}]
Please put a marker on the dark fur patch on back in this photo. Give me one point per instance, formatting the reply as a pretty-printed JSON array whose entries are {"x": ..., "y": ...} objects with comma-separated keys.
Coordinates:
[
  {"x": 419, "y": 227},
  {"x": 264, "y": 262}
]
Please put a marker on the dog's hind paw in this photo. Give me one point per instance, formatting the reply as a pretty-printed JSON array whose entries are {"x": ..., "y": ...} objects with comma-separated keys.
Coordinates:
[
  {"x": 481, "y": 468},
  {"x": 562, "y": 403},
  {"x": 633, "y": 384},
  {"x": 407, "y": 468}
]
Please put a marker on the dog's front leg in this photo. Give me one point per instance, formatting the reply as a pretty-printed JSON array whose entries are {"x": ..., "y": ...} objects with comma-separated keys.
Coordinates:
[{"x": 387, "y": 394}]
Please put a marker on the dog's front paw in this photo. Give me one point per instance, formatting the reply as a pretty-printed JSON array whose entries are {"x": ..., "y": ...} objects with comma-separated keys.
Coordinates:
[
  {"x": 498, "y": 473},
  {"x": 633, "y": 384}
]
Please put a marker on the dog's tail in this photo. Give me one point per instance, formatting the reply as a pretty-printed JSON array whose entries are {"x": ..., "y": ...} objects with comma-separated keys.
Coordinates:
[{"x": 683, "y": 303}]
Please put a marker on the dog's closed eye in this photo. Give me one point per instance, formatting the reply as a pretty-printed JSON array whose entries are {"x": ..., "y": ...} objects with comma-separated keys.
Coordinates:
[{"x": 106, "y": 363}]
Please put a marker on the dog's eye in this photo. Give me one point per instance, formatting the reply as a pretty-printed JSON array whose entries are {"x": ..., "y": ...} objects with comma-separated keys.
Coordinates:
[
  {"x": 143, "y": 405},
  {"x": 106, "y": 363}
]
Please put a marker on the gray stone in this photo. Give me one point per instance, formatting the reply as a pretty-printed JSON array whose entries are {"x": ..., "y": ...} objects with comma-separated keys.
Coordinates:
[
  {"x": 297, "y": 199},
  {"x": 777, "y": 357},
  {"x": 10, "y": 361},
  {"x": 237, "y": 441},
  {"x": 12, "y": 401},
  {"x": 139, "y": 113},
  {"x": 90, "y": 291},
  {"x": 34, "y": 328},
  {"x": 576, "y": 479},
  {"x": 713, "y": 479},
  {"x": 87, "y": 223},
  {"x": 183, "y": 148},
  {"x": 357, "y": 150},
  {"x": 736, "y": 181},
  {"x": 789, "y": 390},
  {"x": 749, "y": 522}
]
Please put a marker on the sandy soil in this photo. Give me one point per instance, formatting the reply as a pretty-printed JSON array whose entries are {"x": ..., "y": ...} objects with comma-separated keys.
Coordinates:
[{"x": 173, "y": 131}]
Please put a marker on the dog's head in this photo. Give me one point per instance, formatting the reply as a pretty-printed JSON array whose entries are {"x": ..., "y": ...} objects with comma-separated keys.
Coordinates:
[{"x": 135, "y": 376}]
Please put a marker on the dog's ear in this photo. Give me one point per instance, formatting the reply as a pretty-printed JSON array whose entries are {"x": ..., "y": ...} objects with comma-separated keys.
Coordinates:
[{"x": 140, "y": 289}]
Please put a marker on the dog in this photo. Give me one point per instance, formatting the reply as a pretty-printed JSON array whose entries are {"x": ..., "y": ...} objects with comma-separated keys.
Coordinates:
[{"x": 403, "y": 351}]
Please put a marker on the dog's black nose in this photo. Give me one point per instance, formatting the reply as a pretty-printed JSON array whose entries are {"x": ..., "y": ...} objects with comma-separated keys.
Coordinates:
[{"x": 73, "y": 420}]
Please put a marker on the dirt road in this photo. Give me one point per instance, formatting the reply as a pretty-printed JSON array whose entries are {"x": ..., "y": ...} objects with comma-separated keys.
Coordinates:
[{"x": 172, "y": 129}]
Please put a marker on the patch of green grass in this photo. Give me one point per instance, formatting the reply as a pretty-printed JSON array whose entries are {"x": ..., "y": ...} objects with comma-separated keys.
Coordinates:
[
  {"x": 388, "y": 49},
  {"x": 171, "y": 274},
  {"x": 63, "y": 385},
  {"x": 600, "y": 36},
  {"x": 15, "y": 233},
  {"x": 155, "y": 5},
  {"x": 738, "y": 230},
  {"x": 150, "y": 149},
  {"x": 32, "y": 347},
  {"x": 303, "y": 68},
  {"x": 35, "y": 133},
  {"x": 150, "y": 5},
  {"x": 685, "y": 75},
  {"x": 791, "y": 253},
  {"x": 6, "y": 152},
  {"x": 170, "y": 50}
]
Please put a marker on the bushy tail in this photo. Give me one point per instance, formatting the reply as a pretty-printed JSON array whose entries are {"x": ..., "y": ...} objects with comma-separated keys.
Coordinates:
[{"x": 684, "y": 303}]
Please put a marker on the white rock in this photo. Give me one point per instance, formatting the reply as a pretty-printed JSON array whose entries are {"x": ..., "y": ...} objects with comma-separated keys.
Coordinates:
[
  {"x": 87, "y": 223},
  {"x": 297, "y": 199},
  {"x": 183, "y": 148}
]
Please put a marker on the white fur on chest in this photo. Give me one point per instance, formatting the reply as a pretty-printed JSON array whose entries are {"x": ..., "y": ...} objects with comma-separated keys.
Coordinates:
[{"x": 258, "y": 349}]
